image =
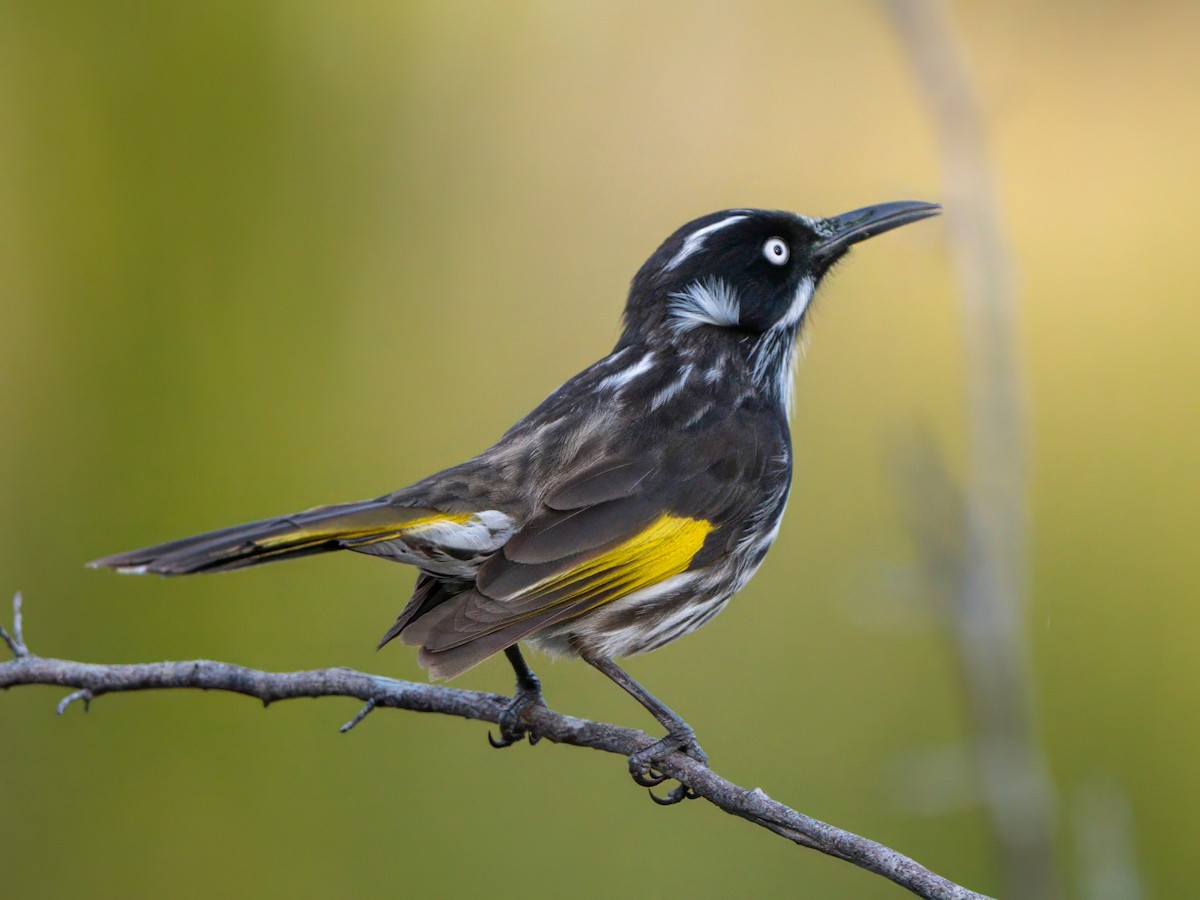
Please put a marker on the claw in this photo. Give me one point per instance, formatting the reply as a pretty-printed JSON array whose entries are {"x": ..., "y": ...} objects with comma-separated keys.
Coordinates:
[
  {"x": 643, "y": 772},
  {"x": 676, "y": 795},
  {"x": 646, "y": 776},
  {"x": 512, "y": 720},
  {"x": 499, "y": 744}
]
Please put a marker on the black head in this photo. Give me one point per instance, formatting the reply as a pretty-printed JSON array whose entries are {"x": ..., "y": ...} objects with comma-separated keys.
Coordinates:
[{"x": 748, "y": 271}]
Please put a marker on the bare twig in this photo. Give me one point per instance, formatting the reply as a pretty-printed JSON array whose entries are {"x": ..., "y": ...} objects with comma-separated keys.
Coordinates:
[
  {"x": 92, "y": 681},
  {"x": 359, "y": 716},
  {"x": 16, "y": 640},
  {"x": 989, "y": 603},
  {"x": 82, "y": 694}
]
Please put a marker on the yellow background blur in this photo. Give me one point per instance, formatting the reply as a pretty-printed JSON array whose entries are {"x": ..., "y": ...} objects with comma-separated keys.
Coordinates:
[{"x": 256, "y": 257}]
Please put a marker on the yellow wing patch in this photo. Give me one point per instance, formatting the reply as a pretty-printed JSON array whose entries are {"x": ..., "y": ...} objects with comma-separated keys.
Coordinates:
[
  {"x": 414, "y": 527},
  {"x": 664, "y": 548},
  {"x": 360, "y": 528},
  {"x": 439, "y": 519}
]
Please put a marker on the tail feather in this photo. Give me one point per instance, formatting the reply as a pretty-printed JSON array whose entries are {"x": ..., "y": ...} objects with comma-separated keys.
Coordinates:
[{"x": 313, "y": 531}]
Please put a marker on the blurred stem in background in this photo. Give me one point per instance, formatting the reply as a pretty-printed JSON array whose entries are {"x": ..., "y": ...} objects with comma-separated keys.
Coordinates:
[{"x": 986, "y": 575}]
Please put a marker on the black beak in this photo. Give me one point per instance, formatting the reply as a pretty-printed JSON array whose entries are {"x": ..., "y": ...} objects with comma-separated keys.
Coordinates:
[{"x": 839, "y": 232}]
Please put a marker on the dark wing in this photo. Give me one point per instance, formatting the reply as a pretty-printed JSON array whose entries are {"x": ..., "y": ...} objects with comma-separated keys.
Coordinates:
[{"x": 616, "y": 528}]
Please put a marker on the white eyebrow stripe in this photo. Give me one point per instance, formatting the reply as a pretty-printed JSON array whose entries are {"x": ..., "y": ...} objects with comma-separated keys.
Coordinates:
[{"x": 695, "y": 240}]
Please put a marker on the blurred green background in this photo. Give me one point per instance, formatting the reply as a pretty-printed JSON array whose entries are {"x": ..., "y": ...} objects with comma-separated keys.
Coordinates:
[{"x": 256, "y": 257}]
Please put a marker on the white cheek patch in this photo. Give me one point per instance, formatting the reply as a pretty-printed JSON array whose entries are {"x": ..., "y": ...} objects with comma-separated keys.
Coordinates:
[
  {"x": 695, "y": 241},
  {"x": 800, "y": 301}
]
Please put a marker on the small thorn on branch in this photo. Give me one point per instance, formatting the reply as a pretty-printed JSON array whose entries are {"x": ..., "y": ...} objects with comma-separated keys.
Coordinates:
[
  {"x": 362, "y": 714},
  {"x": 16, "y": 640},
  {"x": 82, "y": 694}
]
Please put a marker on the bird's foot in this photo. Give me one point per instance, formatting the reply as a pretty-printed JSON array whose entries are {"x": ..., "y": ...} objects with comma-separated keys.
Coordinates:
[
  {"x": 512, "y": 721},
  {"x": 643, "y": 771}
]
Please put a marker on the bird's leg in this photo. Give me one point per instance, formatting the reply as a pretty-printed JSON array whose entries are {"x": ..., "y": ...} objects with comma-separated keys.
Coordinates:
[
  {"x": 680, "y": 735},
  {"x": 528, "y": 694}
]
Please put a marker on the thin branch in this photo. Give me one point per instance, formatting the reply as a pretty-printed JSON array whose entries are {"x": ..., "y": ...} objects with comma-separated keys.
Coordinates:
[
  {"x": 16, "y": 640},
  {"x": 91, "y": 681},
  {"x": 989, "y": 608},
  {"x": 359, "y": 716},
  {"x": 82, "y": 694}
]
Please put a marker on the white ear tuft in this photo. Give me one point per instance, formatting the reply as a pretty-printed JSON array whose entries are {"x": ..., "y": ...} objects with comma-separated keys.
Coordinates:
[{"x": 710, "y": 302}]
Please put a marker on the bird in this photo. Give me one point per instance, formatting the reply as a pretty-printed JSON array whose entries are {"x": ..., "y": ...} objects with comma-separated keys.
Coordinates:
[{"x": 627, "y": 508}]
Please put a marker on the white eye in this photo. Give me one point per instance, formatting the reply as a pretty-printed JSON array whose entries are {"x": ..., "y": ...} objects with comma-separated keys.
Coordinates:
[{"x": 776, "y": 251}]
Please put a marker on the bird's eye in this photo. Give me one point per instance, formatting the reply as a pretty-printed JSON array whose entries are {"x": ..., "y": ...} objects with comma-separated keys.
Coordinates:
[{"x": 776, "y": 251}]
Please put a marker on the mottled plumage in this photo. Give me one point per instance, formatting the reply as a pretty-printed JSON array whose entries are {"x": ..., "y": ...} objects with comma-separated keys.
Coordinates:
[{"x": 626, "y": 509}]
